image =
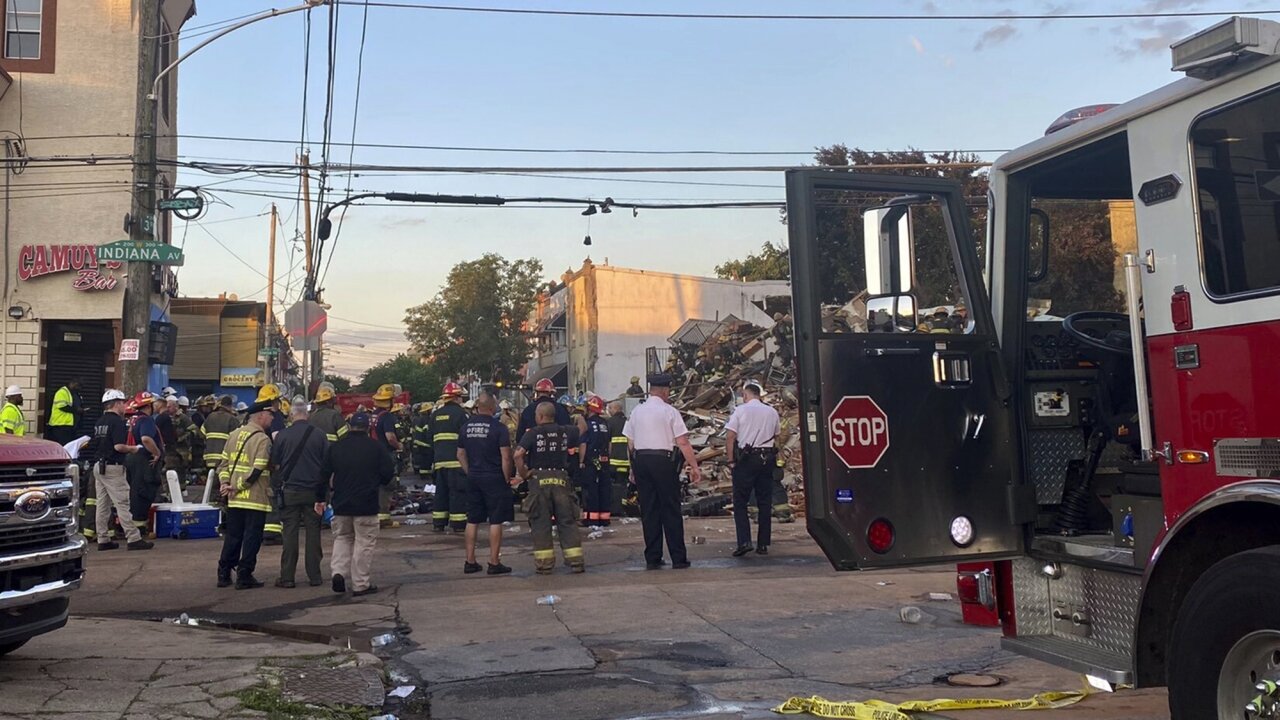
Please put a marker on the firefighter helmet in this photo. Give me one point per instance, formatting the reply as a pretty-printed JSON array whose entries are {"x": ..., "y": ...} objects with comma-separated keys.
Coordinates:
[
  {"x": 384, "y": 393},
  {"x": 595, "y": 404},
  {"x": 324, "y": 394},
  {"x": 544, "y": 386},
  {"x": 143, "y": 398},
  {"x": 452, "y": 390},
  {"x": 635, "y": 379},
  {"x": 268, "y": 392}
]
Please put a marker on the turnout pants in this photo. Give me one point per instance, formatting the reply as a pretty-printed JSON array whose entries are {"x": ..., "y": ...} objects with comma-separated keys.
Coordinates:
[
  {"x": 144, "y": 485},
  {"x": 299, "y": 514},
  {"x": 89, "y": 502},
  {"x": 113, "y": 490},
  {"x": 450, "y": 506},
  {"x": 597, "y": 493},
  {"x": 659, "y": 488},
  {"x": 354, "y": 538},
  {"x": 753, "y": 475},
  {"x": 549, "y": 495},
  {"x": 241, "y": 542}
]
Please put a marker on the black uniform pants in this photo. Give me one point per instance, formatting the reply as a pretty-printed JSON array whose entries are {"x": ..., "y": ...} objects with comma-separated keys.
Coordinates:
[
  {"x": 241, "y": 542},
  {"x": 659, "y": 488},
  {"x": 752, "y": 475},
  {"x": 144, "y": 485},
  {"x": 597, "y": 493}
]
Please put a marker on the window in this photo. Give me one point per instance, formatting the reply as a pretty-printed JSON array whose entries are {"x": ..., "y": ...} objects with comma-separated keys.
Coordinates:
[
  {"x": 1237, "y": 173},
  {"x": 22, "y": 23}
]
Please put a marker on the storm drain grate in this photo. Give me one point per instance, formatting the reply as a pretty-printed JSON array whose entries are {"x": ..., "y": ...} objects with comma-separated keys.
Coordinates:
[{"x": 333, "y": 687}]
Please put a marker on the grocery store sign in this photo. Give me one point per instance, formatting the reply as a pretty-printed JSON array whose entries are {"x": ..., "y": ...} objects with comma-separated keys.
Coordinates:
[
  {"x": 36, "y": 261},
  {"x": 241, "y": 377}
]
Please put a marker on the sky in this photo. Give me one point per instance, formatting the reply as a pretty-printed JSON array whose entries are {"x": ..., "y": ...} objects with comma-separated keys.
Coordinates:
[{"x": 459, "y": 79}]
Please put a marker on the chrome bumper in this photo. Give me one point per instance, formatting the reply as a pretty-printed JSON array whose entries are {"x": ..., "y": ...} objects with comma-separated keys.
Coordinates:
[{"x": 45, "y": 591}]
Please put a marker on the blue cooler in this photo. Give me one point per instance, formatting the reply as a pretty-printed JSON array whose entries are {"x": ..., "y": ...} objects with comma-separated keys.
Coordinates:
[{"x": 187, "y": 520}]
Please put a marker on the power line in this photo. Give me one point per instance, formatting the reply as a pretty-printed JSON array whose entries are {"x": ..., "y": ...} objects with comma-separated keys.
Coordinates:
[
  {"x": 368, "y": 324},
  {"x": 351, "y": 157},
  {"x": 805, "y": 17}
]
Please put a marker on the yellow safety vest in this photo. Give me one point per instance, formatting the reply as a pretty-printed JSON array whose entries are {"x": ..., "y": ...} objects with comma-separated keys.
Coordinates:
[
  {"x": 12, "y": 420},
  {"x": 61, "y": 415}
]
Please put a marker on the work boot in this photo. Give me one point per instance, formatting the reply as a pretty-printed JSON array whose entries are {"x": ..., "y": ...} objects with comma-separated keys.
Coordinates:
[
  {"x": 224, "y": 579},
  {"x": 110, "y": 545},
  {"x": 578, "y": 567},
  {"x": 544, "y": 568},
  {"x": 471, "y": 567},
  {"x": 140, "y": 545},
  {"x": 367, "y": 591},
  {"x": 762, "y": 550},
  {"x": 339, "y": 584},
  {"x": 743, "y": 550},
  {"x": 498, "y": 569},
  {"x": 282, "y": 583},
  {"x": 246, "y": 581}
]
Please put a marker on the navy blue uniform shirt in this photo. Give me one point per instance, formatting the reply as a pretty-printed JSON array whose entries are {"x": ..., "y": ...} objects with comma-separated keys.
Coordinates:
[
  {"x": 528, "y": 420},
  {"x": 483, "y": 437}
]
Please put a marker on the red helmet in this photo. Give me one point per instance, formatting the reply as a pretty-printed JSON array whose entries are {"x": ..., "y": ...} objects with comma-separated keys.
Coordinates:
[
  {"x": 143, "y": 397},
  {"x": 544, "y": 386},
  {"x": 595, "y": 404},
  {"x": 452, "y": 389}
]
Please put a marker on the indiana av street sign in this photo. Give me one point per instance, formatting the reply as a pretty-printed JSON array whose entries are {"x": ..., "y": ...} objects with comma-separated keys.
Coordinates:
[{"x": 147, "y": 251}]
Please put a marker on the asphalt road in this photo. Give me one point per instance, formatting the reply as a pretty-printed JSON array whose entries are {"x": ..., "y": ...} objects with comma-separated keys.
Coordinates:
[{"x": 728, "y": 638}]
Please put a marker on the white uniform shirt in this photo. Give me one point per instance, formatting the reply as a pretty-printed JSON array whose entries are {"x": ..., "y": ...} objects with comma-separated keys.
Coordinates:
[
  {"x": 654, "y": 425},
  {"x": 755, "y": 423}
]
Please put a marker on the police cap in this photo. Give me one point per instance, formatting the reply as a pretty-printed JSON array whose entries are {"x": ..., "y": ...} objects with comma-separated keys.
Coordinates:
[
  {"x": 359, "y": 421},
  {"x": 660, "y": 380}
]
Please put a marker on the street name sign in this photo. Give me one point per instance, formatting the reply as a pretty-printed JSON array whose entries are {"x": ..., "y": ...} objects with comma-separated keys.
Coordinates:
[{"x": 141, "y": 251}]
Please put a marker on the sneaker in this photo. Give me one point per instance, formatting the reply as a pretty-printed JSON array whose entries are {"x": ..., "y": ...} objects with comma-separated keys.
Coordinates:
[
  {"x": 498, "y": 569},
  {"x": 282, "y": 583},
  {"x": 367, "y": 591},
  {"x": 762, "y": 550},
  {"x": 743, "y": 550},
  {"x": 248, "y": 582},
  {"x": 471, "y": 567},
  {"x": 111, "y": 545},
  {"x": 140, "y": 545},
  {"x": 339, "y": 584}
]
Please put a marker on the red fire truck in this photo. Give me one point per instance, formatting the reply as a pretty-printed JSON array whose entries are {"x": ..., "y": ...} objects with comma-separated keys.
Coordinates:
[{"x": 1099, "y": 414}]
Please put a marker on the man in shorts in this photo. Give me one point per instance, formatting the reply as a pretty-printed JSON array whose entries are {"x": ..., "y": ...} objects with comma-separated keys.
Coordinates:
[{"x": 484, "y": 451}]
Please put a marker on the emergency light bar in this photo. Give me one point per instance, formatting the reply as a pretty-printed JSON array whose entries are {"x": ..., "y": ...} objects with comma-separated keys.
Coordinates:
[{"x": 1209, "y": 52}]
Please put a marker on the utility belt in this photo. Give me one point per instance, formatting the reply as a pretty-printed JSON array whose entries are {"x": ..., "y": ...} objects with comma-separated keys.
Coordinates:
[
  {"x": 550, "y": 476},
  {"x": 668, "y": 454},
  {"x": 760, "y": 454}
]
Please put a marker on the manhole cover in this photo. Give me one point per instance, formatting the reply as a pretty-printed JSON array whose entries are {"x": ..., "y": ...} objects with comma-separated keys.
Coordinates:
[
  {"x": 332, "y": 687},
  {"x": 973, "y": 680}
]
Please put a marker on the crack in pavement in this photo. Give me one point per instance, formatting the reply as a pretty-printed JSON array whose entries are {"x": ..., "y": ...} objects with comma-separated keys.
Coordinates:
[{"x": 726, "y": 633}]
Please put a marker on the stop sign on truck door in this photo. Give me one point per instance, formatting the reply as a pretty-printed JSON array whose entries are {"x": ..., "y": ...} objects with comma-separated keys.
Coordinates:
[{"x": 858, "y": 431}]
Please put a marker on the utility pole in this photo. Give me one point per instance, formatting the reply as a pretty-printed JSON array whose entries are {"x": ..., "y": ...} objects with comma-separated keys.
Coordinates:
[
  {"x": 271, "y": 269},
  {"x": 312, "y": 361},
  {"x": 305, "y": 161},
  {"x": 136, "y": 320}
]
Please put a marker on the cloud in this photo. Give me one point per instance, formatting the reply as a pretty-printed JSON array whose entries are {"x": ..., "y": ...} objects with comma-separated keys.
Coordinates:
[
  {"x": 930, "y": 8},
  {"x": 995, "y": 36},
  {"x": 1151, "y": 37},
  {"x": 915, "y": 43}
]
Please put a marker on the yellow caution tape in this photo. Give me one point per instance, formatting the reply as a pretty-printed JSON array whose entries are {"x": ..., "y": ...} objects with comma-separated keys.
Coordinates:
[{"x": 881, "y": 710}]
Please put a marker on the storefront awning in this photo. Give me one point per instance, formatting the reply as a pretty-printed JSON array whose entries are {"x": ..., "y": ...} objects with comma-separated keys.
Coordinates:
[{"x": 558, "y": 374}]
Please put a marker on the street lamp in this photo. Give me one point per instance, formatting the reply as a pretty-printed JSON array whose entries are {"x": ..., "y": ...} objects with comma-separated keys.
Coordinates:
[{"x": 325, "y": 228}]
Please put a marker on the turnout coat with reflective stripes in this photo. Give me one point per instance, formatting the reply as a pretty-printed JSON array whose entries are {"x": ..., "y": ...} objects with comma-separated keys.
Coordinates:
[
  {"x": 247, "y": 450},
  {"x": 216, "y": 429},
  {"x": 446, "y": 423},
  {"x": 328, "y": 420}
]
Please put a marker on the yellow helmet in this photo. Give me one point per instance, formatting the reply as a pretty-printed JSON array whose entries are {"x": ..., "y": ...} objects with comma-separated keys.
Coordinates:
[
  {"x": 323, "y": 394},
  {"x": 385, "y": 392},
  {"x": 398, "y": 408},
  {"x": 268, "y": 393}
]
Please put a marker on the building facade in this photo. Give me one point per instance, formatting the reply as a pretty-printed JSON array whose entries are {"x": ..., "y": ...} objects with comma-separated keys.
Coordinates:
[
  {"x": 593, "y": 329},
  {"x": 229, "y": 346},
  {"x": 67, "y": 120}
]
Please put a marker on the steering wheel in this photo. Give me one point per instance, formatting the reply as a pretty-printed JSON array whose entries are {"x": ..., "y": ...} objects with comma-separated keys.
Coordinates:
[{"x": 1116, "y": 342}]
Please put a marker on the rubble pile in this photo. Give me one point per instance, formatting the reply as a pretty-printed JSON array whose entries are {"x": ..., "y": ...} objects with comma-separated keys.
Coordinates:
[{"x": 708, "y": 378}]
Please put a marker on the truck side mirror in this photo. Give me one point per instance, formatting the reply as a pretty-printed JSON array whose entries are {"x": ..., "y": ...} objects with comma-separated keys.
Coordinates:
[
  {"x": 890, "y": 254},
  {"x": 1037, "y": 245},
  {"x": 891, "y": 313}
]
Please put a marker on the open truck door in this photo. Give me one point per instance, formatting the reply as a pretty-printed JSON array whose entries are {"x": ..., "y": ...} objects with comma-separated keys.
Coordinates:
[{"x": 909, "y": 434}]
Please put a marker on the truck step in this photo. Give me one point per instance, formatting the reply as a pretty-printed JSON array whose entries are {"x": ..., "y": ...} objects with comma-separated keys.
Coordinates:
[{"x": 1112, "y": 667}]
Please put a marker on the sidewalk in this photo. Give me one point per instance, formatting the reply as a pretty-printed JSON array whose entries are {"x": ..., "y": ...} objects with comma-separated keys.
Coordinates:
[{"x": 106, "y": 669}]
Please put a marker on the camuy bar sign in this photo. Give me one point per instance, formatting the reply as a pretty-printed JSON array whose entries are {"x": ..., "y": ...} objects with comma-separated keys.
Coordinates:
[{"x": 39, "y": 260}]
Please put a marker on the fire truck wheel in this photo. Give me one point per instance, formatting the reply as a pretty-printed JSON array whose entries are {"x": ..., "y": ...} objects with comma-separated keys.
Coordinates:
[
  {"x": 1226, "y": 639},
  {"x": 7, "y": 648}
]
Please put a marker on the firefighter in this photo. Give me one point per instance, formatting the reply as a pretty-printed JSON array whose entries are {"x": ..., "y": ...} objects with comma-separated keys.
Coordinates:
[
  {"x": 635, "y": 390},
  {"x": 177, "y": 455},
  {"x": 544, "y": 389},
  {"x": 273, "y": 530},
  {"x": 783, "y": 339},
  {"x": 509, "y": 417},
  {"x": 596, "y": 474},
  {"x": 143, "y": 468},
  {"x": 12, "y": 421},
  {"x": 541, "y": 459},
  {"x": 452, "y": 489},
  {"x": 244, "y": 480},
  {"x": 217, "y": 427},
  {"x": 421, "y": 439},
  {"x": 204, "y": 405},
  {"x": 619, "y": 456},
  {"x": 383, "y": 427},
  {"x": 65, "y": 413},
  {"x": 324, "y": 416}
]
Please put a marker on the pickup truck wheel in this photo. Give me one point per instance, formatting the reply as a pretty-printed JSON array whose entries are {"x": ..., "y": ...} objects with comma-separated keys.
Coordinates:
[
  {"x": 1226, "y": 641},
  {"x": 7, "y": 648}
]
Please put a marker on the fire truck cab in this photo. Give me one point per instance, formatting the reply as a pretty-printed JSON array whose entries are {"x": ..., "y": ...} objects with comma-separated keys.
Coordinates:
[{"x": 1075, "y": 376}]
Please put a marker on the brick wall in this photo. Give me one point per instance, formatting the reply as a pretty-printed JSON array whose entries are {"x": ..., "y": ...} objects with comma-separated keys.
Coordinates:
[{"x": 22, "y": 365}]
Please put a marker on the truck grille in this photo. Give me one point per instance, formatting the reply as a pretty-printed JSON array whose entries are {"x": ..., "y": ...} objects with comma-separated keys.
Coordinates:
[
  {"x": 30, "y": 538},
  {"x": 43, "y": 473}
]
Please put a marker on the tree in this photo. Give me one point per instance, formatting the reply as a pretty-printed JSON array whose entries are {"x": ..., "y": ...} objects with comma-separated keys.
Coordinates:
[
  {"x": 479, "y": 321},
  {"x": 420, "y": 380},
  {"x": 771, "y": 263},
  {"x": 340, "y": 383}
]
